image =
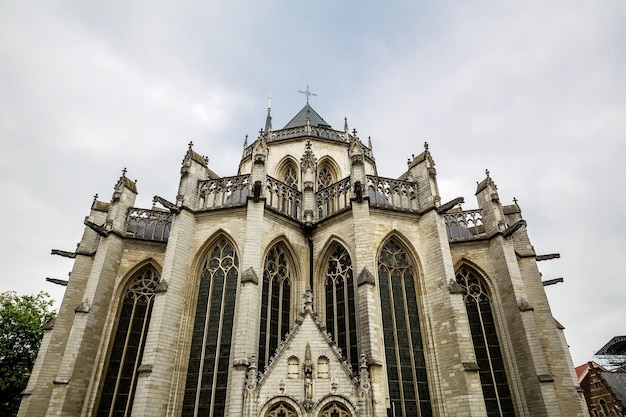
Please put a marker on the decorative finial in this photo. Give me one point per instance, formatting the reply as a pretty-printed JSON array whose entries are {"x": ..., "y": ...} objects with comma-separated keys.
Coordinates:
[
  {"x": 190, "y": 144},
  {"x": 487, "y": 173},
  {"x": 95, "y": 198},
  {"x": 345, "y": 124},
  {"x": 307, "y": 93},
  {"x": 354, "y": 132},
  {"x": 124, "y": 171},
  {"x": 515, "y": 200},
  {"x": 426, "y": 146},
  {"x": 369, "y": 142},
  {"x": 245, "y": 142}
]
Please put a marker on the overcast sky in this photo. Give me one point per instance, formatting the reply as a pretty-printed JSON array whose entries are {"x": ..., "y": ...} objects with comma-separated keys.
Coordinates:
[{"x": 534, "y": 91}]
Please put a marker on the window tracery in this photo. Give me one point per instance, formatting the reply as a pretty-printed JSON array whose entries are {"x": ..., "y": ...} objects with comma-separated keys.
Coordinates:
[
  {"x": 290, "y": 176},
  {"x": 281, "y": 409},
  {"x": 406, "y": 366},
  {"x": 275, "y": 302},
  {"x": 324, "y": 178},
  {"x": 486, "y": 345},
  {"x": 207, "y": 374},
  {"x": 130, "y": 337},
  {"x": 335, "y": 409},
  {"x": 340, "y": 303}
]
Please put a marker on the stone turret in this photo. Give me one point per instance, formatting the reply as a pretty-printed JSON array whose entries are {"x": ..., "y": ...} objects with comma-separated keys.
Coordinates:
[
  {"x": 193, "y": 170},
  {"x": 422, "y": 171}
]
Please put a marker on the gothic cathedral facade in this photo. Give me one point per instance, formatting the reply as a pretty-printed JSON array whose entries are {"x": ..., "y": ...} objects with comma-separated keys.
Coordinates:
[{"x": 306, "y": 285}]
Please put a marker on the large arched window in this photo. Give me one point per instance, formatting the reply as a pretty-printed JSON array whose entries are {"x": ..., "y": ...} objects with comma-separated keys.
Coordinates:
[
  {"x": 275, "y": 302},
  {"x": 486, "y": 345},
  {"x": 207, "y": 375},
  {"x": 406, "y": 367},
  {"x": 340, "y": 304},
  {"x": 120, "y": 381}
]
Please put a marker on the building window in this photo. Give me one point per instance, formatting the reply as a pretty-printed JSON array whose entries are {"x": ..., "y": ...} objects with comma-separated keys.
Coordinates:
[
  {"x": 335, "y": 409},
  {"x": 324, "y": 178},
  {"x": 340, "y": 304},
  {"x": 207, "y": 375},
  {"x": 605, "y": 409},
  {"x": 406, "y": 367},
  {"x": 293, "y": 368},
  {"x": 130, "y": 337},
  {"x": 281, "y": 410},
  {"x": 290, "y": 176},
  {"x": 486, "y": 345},
  {"x": 323, "y": 368},
  {"x": 275, "y": 302}
]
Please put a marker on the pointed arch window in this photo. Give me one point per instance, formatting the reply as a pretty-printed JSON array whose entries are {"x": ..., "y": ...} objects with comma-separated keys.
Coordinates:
[
  {"x": 406, "y": 367},
  {"x": 290, "y": 176},
  {"x": 275, "y": 302},
  {"x": 281, "y": 410},
  {"x": 120, "y": 381},
  {"x": 340, "y": 303},
  {"x": 486, "y": 345},
  {"x": 207, "y": 374},
  {"x": 335, "y": 409}
]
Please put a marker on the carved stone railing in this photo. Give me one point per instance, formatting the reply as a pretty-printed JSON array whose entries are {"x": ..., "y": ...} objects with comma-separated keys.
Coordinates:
[
  {"x": 299, "y": 131},
  {"x": 148, "y": 224},
  {"x": 284, "y": 198},
  {"x": 332, "y": 199},
  {"x": 224, "y": 192},
  {"x": 392, "y": 194},
  {"x": 464, "y": 225}
]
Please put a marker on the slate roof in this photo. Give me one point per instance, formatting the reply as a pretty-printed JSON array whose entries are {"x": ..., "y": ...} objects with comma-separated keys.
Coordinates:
[
  {"x": 617, "y": 382},
  {"x": 300, "y": 118}
]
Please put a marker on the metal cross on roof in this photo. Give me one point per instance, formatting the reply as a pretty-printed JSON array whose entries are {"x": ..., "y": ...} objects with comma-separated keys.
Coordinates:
[
  {"x": 307, "y": 93},
  {"x": 269, "y": 100}
]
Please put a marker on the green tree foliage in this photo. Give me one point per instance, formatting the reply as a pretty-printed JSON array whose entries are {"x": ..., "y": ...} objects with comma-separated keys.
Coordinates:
[{"x": 22, "y": 319}]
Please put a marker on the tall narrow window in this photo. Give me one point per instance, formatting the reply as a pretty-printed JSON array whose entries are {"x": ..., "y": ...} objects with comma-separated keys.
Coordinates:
[
  {"x": 406, "y": 367},
  {"x": 275, "y": 303},
  {"x": 486, "y": 345},
  {"x": 130, "y": 337},
  {"x": 207, "y": 376},
  {"x": 340, "y": 304}
]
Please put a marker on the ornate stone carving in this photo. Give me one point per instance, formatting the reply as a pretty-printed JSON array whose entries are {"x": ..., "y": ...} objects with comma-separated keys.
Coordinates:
[
  {"x": 308, "y": 159},
  {"x": 307, "y": 370}
]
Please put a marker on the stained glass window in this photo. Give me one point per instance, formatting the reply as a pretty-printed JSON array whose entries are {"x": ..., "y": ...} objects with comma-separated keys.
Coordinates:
[
  {"x": 340, "y": 304},
  {"x": 275, "y": 302},
  {"x": 207, "y": 375},
  {"x": 486, "y": 345},
  {"x": 406, "y": 367},
  {"x": 130, "y": 337}
]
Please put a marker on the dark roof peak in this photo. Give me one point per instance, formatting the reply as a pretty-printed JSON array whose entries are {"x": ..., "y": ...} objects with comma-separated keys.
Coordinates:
[{"x": 309, "y": 113}]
